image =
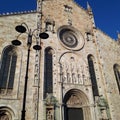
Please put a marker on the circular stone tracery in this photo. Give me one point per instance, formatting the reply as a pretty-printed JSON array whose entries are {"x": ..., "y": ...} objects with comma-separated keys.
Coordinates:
[{"x": 70, "y": 38}]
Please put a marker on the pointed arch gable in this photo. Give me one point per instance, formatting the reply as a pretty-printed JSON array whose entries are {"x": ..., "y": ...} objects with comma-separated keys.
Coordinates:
[
  {"x": 76, "y": 105},
  {"x": 77, "y": 96}
]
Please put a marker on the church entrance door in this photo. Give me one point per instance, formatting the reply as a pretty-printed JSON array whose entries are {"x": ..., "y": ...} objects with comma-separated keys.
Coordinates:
[
  {"x": 75, "y": 114},
  {"x": 76, "y": 106}
]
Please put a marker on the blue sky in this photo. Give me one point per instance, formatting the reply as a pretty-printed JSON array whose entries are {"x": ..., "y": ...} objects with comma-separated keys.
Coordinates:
[{"x": 106, "y": 12}]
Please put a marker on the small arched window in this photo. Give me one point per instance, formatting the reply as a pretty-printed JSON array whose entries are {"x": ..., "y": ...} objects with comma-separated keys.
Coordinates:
[
  {"x": 8, "y": 66},
  {"x": 48, "y": 71},
  {"x": 116, "y": 69},
  {"x": 92, "y": 75}
]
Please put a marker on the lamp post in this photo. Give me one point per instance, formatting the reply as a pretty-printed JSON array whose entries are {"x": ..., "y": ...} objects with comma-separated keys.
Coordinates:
[{"x": 22, "y": 29}]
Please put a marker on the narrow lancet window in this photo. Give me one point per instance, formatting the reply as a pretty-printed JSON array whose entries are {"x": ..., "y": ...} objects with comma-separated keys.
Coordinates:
[
  {"x": 8, "y": 66},
  {"x": 48, "y": 77},
  {"x": 117, "y": 75},
  {"x": 92, "y": 75}
]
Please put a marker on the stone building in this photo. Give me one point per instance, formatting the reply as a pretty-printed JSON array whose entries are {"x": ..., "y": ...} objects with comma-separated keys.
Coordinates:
[{"x": 74, "y": 76}]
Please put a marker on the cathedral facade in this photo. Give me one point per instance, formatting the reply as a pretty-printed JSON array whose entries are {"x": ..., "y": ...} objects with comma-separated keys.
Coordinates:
[{"x": 70, "y": 73}]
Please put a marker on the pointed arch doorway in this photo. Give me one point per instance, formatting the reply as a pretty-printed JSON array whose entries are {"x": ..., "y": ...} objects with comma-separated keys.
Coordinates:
[{"x": 76, "y": 106}]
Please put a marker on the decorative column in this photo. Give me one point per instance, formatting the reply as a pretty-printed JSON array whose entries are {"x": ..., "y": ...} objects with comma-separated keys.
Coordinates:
[{"x": 37, "y": 64}]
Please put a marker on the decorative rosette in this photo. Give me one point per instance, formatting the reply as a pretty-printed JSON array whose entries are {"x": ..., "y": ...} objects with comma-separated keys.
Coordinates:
[{"x": 70, "y": 38}]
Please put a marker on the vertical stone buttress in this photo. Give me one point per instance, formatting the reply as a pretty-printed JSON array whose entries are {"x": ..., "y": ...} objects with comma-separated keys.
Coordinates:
[
  {"x": 37, "y": 64},
  {"x": 99, "y": 105}
]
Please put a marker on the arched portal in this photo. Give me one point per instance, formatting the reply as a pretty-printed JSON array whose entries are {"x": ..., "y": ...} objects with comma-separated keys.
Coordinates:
[
  {"x": 6, "y": 113},
  {"x": 76, "y": 106}
]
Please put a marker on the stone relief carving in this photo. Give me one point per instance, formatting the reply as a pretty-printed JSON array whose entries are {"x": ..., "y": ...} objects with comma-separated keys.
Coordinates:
[
  {"x": 73, "y": 100},
  {"x": 103, "y": 108},
  {"x": 68, "y": 10},
  {"x": 49, "y": 24},
  {"x": 50, "y": 100},
  {"x": 36, "y": 84},
  {"x": 50, "y": 114},
  {"x": 73, "y": 72},
  {"x": 35, "y": 104},
  {"x": 50, "y": 103},
  {"x": 36, "y": 73},
  {"x": 89, "y": 36}
]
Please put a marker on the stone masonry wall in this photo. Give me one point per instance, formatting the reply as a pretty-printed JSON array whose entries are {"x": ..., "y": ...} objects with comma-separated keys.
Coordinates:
[
  {"x": 7, "y": 34},
  {"x": 109, "y": 55},
  {"x": 104, "y": 50}
]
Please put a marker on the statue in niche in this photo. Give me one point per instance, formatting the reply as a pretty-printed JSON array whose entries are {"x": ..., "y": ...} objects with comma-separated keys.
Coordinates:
[
  {"x": 66, "y": 73},
  {"x": 89, "y": 36},
  {"x": 73, "y": 69},
  {"x": 64, "y": 77},
  {"x": 79, "y": 79},
  {"x": 49, "y": 24},
  {"x": 74, "y": 78},
  {"x": 103, "y": 108},
  {"x": 72, "y": 72},
  {"x": 35, "y": 102},
  {"x": 50, "y": 100},
  {"x": 50, "y": 114},
  {"x": 68, "y": 10},
  {"x": 78, "y": 73},
  {"x": 68, "y": 77},
  {"x": 70, "y": 21},
  {"x": 36, "y": 76}
]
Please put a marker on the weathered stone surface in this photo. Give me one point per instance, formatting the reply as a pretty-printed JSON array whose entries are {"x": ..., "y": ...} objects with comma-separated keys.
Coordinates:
[{"x": 71, "y": 78}]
